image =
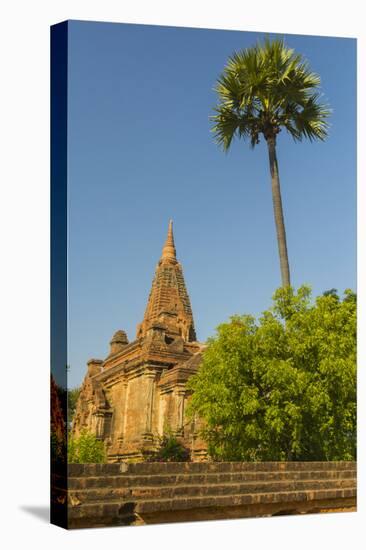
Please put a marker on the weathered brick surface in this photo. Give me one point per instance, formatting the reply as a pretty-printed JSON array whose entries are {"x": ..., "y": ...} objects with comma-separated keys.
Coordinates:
[
  {"x": 103, "y": 481},
  {"x": 121, "y": 494},
  {"x": 150, "y": 468}
]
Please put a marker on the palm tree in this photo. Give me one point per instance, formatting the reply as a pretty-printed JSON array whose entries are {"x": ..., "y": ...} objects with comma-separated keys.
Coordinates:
[{"x": 262, "y": 90}]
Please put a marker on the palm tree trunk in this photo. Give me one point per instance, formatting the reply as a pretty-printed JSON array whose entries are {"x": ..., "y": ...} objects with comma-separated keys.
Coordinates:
[{"x": 278, "y": 212}]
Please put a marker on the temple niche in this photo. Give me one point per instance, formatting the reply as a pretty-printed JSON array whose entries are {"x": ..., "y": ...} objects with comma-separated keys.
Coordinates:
[{"x": 138, "y": 392}]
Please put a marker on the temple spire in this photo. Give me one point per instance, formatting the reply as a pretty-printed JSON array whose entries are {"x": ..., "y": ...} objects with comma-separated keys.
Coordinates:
[
  {"x": 169, "y": 252},
  {"x": 169, "y": 305}
]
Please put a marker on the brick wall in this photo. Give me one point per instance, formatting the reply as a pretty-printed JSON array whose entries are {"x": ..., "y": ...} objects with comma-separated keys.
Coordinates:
[{"x": 133, "y": 493}]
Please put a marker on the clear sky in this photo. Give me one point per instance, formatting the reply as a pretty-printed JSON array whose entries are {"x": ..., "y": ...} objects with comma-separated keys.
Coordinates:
[{"x": 141, "y": 152}]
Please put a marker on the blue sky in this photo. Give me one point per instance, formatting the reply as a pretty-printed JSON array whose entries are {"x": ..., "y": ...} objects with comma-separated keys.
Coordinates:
[{"x": 141, "y": 152}]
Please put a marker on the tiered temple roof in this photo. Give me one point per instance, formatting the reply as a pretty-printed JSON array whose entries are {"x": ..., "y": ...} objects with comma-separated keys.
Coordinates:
[{"x": 169, "y": 304}]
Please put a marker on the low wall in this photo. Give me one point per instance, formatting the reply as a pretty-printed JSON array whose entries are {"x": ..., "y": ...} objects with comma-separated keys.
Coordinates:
[{"x": 126, "y": 494}]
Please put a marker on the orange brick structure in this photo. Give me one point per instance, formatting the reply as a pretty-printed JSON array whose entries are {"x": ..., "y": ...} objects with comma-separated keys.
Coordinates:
[{"x": 139, "y": 392}]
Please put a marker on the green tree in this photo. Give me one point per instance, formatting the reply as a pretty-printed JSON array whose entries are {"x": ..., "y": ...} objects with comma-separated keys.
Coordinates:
[
  {"x": 262, "y": 90},
  {"x": 85, "y": 449},
  {"x": 282, "y": 388}
]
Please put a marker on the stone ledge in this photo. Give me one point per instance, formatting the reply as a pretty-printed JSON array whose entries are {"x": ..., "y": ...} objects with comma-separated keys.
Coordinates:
[
  {"x": 77, "y": 470},
  {"x": 111, "y": 494},
  {"x": 102, "y": 494},
  {"x": 101, "y": 514},
  {"x": 153, "y": 480}
]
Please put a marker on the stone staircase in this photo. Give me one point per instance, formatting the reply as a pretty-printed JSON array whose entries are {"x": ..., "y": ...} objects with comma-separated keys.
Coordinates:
[{"x": 125, "y": 494}]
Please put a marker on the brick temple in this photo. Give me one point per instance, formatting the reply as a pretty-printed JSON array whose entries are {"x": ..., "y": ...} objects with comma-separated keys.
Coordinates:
[{"x": 138, "y": 392}]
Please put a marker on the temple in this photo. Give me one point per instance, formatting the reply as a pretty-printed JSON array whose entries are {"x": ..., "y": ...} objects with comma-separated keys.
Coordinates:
[{"x": 138, "y": 392}]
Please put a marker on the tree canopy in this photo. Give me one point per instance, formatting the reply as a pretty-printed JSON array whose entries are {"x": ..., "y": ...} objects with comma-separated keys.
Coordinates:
[
  {"x": 265, "y": 88},
  {"x": 282, "y": 388}
]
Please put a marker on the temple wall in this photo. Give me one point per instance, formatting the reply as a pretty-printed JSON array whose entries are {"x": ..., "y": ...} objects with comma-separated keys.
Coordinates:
[
  {"x": 83, "y": 418},
  {"x": 162, "y": 413},
  {"x": 116, "y": 396},
  {"x": 137, "y": 408},
  {"x": 138, "y": 411},
  {"x": 156, "y": 409}
]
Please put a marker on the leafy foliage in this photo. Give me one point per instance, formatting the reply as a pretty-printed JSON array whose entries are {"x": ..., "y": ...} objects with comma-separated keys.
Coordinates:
[
  {"x": 283, "y": 388},
  {"x": 171, "y": 450},
  {"x": 266, "y": 88},
  {"x": 86, "y": 449}
]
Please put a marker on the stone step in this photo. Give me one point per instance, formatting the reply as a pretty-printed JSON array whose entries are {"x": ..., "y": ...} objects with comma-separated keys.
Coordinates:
[
  {"x": 149, "y": 468},
  {"x": 101, "y": 511},
  {"x": 238, "y": 500},
  {"x": 172, "y": 492},
  {"x": 126, "y": 480}
]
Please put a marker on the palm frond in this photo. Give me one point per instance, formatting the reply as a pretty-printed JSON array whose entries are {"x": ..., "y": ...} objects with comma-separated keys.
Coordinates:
[
  {"x": 312, "y": 120},
  {"x": 228, "y": 123},
  {"x": 268, "y": 85}
]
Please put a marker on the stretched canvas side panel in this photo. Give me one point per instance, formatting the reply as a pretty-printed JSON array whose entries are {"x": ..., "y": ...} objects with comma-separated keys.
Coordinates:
[{"x": 59, "y": 46}]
